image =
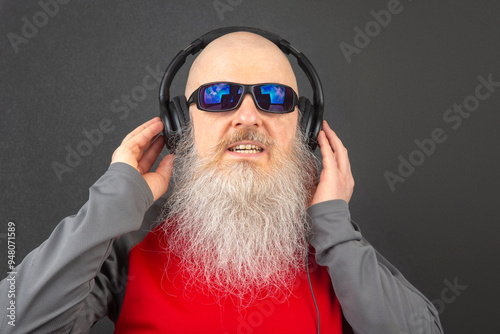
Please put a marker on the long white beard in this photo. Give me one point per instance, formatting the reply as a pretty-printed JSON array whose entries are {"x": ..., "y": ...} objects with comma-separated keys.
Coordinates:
[{"x": 239, "y": 229}]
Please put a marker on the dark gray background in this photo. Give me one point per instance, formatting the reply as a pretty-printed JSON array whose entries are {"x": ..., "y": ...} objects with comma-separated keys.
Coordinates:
[{"x": 440, "y": 224}]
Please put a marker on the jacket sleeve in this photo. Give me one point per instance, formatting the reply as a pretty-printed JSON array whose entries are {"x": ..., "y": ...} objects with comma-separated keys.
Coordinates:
[
  {"x": 373, "y": 294},
  {"x": 55, "y": 284}
]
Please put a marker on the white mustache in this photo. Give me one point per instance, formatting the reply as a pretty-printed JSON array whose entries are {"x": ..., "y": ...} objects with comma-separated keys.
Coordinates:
[{"x": 243, "y": 134}]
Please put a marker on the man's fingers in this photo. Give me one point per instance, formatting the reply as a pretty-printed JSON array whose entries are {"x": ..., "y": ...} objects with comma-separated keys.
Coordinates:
[
  {"x": 329, "y": 161},
  {"x": 144, "y": 138},
  {"x": 135, "y": 143},
  {"x": 140, "y": 128},
  {"x": 338, "y": 148},
  {"x": 150, "y": 155}
]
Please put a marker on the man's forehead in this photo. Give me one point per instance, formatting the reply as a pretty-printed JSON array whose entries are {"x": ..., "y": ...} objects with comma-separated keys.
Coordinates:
[{"x": 241, "y": 57}]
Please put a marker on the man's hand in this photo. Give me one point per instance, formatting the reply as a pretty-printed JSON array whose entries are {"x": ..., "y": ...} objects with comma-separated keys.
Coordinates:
[
  {"x": 139, "y": 151},
  {"x": 336, "y": 181}
]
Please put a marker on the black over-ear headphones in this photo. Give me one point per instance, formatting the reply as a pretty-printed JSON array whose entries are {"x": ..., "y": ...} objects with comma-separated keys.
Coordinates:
[{"x": 175, "y": 112}]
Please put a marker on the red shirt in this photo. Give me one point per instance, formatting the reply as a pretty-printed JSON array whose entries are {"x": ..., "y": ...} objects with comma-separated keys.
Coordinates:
[{"x": 156, "y": 304}]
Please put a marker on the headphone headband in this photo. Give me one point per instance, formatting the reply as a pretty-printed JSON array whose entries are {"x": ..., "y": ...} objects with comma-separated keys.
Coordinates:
[{"x": 285, "y": 46}]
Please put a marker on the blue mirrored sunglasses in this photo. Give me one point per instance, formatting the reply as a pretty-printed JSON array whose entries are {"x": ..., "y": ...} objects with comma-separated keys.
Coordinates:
[{"x": 226, "y": 96}]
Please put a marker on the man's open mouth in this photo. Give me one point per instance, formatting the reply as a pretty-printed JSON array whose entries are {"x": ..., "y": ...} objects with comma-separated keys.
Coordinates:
[{"x": 248, "y": 148}]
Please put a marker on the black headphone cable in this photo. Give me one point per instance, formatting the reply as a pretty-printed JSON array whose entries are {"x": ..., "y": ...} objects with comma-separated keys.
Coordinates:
[{"x": 310, "y": 286}]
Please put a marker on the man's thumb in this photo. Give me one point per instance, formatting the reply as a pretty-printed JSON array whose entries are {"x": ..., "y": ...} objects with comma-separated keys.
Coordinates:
[
  {"x": 166, "y": 166},
  {"x": 158, "y": 180}
]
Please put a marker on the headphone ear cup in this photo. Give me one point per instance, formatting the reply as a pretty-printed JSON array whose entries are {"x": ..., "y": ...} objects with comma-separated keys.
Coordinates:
[
  {"x": 308, "y": 122},
  {"x": 176, "y": 117},
  {"x": 165, "y": 107}
]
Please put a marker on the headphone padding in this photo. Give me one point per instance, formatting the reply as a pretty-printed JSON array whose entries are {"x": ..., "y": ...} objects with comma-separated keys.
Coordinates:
[
  {"x": 307, "y": 113},
  {"x": 181, "y": 111}
]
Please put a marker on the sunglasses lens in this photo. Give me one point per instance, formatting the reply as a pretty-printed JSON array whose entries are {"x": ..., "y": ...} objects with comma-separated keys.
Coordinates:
[
  {"x": 220, "y": 96},
  {"x": 274, "y": 98}
]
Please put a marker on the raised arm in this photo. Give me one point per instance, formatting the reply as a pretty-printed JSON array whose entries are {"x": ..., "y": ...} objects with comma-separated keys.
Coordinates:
[
  {"x": 374, "y": 295},
  {"x": 54, "y": 282}
]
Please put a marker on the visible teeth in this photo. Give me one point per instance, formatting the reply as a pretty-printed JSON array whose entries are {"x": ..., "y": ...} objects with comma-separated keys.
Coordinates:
[{"x": 247, "y": 148}]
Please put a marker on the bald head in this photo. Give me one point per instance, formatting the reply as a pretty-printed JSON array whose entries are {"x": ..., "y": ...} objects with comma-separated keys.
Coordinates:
[{"x": 241, "y": 57}]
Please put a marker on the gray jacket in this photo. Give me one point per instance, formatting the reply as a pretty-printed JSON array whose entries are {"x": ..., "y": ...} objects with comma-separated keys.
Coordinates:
[{"x": 79, "y": 274}]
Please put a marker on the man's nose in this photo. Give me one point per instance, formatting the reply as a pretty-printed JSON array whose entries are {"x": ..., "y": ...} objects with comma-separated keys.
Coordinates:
[{"x": 247, "y": 113}]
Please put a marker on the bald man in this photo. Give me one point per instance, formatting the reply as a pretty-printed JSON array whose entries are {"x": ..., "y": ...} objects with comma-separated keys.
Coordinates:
[{"x": 248, "y": 242}]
